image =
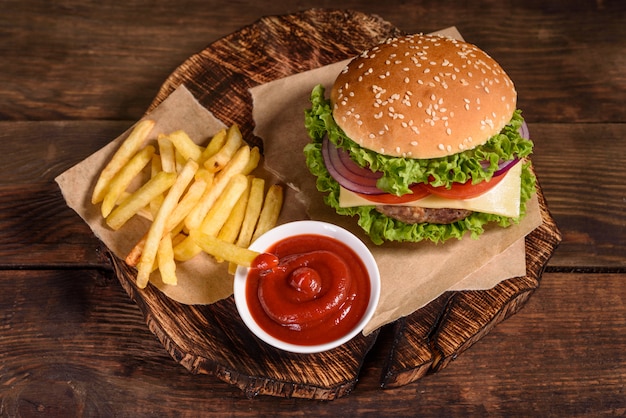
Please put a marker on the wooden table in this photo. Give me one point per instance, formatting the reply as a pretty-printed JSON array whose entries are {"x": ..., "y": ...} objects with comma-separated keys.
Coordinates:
[{"x": 74, "y": 75}]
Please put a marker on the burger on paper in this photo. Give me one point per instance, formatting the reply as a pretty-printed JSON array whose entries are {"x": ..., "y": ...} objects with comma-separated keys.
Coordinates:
[{"x": 420, "y": 139}]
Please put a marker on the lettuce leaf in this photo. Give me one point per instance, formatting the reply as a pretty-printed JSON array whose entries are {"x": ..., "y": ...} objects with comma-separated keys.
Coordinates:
[
  {"x": 379, "y": 227},
  {"x": 399, "y": 173}
]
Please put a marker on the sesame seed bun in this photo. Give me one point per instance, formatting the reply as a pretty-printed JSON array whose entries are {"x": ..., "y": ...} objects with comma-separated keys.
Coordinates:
[{"x": 422, "y": 96}]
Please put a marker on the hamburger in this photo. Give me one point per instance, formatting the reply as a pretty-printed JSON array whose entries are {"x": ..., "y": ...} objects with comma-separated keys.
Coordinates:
[{"x": 420, "y": 138}]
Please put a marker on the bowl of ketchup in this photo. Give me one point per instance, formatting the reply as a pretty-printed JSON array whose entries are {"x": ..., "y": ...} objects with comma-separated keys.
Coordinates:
[{"x": 314, "y": 287}]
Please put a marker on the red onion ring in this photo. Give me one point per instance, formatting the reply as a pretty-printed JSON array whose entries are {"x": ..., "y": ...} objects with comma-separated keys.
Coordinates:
[
  {"x": 347, "y": 173},
  {"x": 523, "y": 131}
]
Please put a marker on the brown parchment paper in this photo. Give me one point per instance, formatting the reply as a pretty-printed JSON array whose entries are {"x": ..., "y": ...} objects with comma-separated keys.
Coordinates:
[
  {"x": 200, "y": 280},
  {"x": 412, "y": 274}
]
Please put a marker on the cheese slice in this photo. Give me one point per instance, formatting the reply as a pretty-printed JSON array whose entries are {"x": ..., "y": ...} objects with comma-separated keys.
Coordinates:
[{"x": 503, "y": 199}]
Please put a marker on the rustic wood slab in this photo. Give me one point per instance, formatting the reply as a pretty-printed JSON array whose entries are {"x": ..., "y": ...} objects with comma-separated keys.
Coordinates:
[{"x": 212, "y": 339}]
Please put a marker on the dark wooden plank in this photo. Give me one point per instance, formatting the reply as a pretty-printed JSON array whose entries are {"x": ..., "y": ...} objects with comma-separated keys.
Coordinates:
[
  {"x": 38, "y": 152},
  {"x": 37, "y": 229},
  {"x": 73, "y": 344},
  {"x": 99, "y": 61},
  {"x": 33, "y": 214},
  {"x": 581, "y": 170}
]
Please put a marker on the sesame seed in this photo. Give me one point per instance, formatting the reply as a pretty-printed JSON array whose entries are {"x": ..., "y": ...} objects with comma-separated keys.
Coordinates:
[{"x": 441, "y": 147}]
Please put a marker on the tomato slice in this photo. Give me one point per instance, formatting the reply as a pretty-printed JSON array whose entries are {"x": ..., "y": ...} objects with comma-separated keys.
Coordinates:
[
  {"x": 465, "y": 190},
  {"x": 419, "y": 192}
]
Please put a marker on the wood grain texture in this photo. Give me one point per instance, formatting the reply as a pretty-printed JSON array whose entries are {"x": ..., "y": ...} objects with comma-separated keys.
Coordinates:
[
  {"x": 582, "y": 174},
  {"x": 208, "y": 339},
  {"x": 74, "y": 344},
  {"x": 106, "y": 61}
]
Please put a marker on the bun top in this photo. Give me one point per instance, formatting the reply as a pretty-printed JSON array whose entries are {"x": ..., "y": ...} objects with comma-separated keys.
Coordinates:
[{"x": 422, "y": 96}]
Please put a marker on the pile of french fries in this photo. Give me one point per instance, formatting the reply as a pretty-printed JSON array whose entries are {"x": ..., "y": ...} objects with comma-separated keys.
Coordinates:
[{"x": 198, "y": 199}]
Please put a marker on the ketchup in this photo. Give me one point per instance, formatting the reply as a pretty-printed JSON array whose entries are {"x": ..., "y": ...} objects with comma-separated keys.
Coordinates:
[{"x": 308, "y": 289}]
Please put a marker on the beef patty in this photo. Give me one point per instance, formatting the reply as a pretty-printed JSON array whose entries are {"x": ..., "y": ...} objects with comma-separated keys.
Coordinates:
[{"x": 416, "y": 215}]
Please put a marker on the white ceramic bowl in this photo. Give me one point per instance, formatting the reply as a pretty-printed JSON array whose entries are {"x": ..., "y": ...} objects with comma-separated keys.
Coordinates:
[{"x": 298, "y": 228}]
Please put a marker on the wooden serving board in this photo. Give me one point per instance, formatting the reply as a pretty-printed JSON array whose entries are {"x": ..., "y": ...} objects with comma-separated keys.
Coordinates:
[{"x": 212, "y": 339}]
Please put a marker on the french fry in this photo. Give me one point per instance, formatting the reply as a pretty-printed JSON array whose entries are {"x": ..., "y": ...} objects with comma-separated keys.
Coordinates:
[
  {"x": 271, "y": 209},
  {"x": 251, "y": 216},
  {"x": 155, "y": 166},
  {"x": 157, "y": 228},
  {"x": 135, "y": 254},
  {"x": 177, "y": 239},
  {"x": 174, "y": 221},
  {"x": 217, "y": 141},
  {"x": 253, "y": 162},
  {"x": 204, "y": 175},
  {"x": 197, "y": 198},
  {"x": 186, "y": 204},
  {"x": 185, "y": 145},
  {"x": 180, "y": 160},
  {"x": 125, "y": 152},
  {"x": 232, "y": 226},
  {"x": 167, "y": 153},
  {"x": 216, "y": 217},
  {"x": 223, "y": 250},
  {"x": 234, "y": 141},
  {"x": 253, "y": 210},
  {"x": 220, "y": 211},
  {"x": 124, "y": 177},
  {"x": 186, "y": 250},
  {"x": 141, "y": 198},
  {"x": 165, "y": 260},
  {"x": 234, "y": 166},
  {"x": 155, "y": 203}
]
